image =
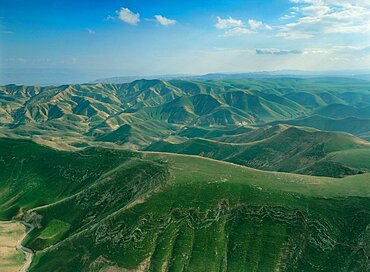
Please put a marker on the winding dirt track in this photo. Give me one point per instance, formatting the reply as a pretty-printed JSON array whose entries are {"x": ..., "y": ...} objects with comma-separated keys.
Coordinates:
[{"x": 28, "y": 252}]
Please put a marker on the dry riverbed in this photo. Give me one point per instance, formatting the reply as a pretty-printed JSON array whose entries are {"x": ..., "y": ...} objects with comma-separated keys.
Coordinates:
[{"x": 11, "y": 258}]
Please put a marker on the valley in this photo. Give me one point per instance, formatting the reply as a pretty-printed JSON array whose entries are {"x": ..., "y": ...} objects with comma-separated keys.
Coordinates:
[
  {"x": 245, "y": 121},
  {"x": 185, "y": 136},
  {"x": 188, "y": 175}
]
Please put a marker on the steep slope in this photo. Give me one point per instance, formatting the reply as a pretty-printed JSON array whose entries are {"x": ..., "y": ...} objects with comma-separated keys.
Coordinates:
[
  {"x": 161, "y": 212},
  {"x": 343, "y": 111},
  {"x": 81, "y": 113},
  {"x": 257, "y": 134},
  {"x": 212, "y": 132},
  {"x": 33, "y": 175},
  {"x": 279, "y": 149},
  {"x": 353, "y": 125}
]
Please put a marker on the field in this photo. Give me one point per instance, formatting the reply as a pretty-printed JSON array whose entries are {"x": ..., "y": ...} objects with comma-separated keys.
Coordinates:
[{"x": 11, "y": 259}]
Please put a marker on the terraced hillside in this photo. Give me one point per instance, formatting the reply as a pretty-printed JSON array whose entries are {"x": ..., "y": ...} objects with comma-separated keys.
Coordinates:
[{"x": 162, "y": 212}]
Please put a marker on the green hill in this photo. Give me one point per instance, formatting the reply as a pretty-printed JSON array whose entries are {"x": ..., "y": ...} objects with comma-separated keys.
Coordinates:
[
  {"x": 342, "y": 111},
  {"x": 180, "y": 213},
  {"x": 83, "y": 113},
  {"x": 353, "y": 125},
  {"x": 279, "y": 148},
  {"x": 257, "y": 134},
  {"x": 33, "y": 175},
  {"x": 213, "y": 132}
]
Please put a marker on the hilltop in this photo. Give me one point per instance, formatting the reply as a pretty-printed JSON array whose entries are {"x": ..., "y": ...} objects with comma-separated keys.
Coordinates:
[
  {"x": 204, "y": 117},
  {"x": 138, "y": 113},
  {"x": 250, "y": 209},
  {"x": 286, "y": 149},
  {"x": 143, "y": 211}
]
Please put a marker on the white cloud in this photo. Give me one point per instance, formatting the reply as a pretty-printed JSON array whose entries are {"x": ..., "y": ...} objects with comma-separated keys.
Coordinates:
[
  {"x": 237, "y": 31},
  {"x": 317, "y": 51},
  {"x": 341, "y": 51},
  {"x": 314, "y": 17},
  {"x": 164, "y": 21},
  {"x": 243, "y": 60},
  {"x": 293, "y": 35},
  {"x": 276, "y": 51},
  {"x": 91, "y": 31},
  {"x": 236, "y": 27},
  {"x": 109, "y": 18},
  {"x": 16, "y": 60},
  {"x": 356, "y": 48},
  {"x": 291, "y": 15},
  {"x": 127, "y": 16},
  {"x": 254, "y": 25},
  {"x": 228, "y": 23}
]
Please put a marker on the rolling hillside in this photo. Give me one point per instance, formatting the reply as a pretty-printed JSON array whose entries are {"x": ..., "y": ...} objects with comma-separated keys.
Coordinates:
[
  {"x": 266, "y": 170},
  {"x": 353, "y": 125},
  {"x": 144, "y": 212},
  {"x": 286, "y": 149},
  {"x": 343, "y": 111},
  {"x": 138, "y": 113}
]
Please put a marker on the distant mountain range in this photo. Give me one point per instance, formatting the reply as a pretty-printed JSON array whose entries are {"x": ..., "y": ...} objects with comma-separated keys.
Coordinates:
[
  {"x": 45, "y": 77},
  {"x": 357, "y": 74}
]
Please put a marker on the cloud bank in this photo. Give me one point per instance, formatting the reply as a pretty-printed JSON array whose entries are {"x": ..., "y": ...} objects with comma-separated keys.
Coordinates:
[{"x": 309, "y": 18}]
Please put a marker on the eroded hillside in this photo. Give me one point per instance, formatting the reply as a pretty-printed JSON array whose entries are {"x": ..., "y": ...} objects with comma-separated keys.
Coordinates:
[{"x": 161, "y": 212}]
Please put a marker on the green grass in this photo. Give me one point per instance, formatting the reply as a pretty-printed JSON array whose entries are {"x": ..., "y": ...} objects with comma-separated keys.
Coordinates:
[
  {"x": 284, "y": 149},
  {"x": 33, "y": 175},
  {"x": 102, "y": 209},
  {"x": 353, "y": 125},
  {"x": 54, "y": 230},
  {"x": 269, "y": 223},
  {"x": 353, "y": 158},
  {"x": 187, "y": 213}
]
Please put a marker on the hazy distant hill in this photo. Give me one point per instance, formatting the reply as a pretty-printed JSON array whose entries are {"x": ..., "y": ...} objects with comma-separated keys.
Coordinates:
[
  {"x": 364, "y": 75},
  {"x": 127, "y": 79}
]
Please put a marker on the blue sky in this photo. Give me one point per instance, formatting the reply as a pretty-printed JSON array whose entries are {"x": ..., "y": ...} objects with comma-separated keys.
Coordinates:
[{"x": 88, "y": 39}]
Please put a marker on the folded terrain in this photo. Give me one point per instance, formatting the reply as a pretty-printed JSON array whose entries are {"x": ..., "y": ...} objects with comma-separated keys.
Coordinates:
[
  {"x": 284, "y": 149},
  {"x": 162, "y": 212},
  {"x": 232, "y": 175},
  {"x": 204, "y": 117},
  {"x": 136, "y": 114}
]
